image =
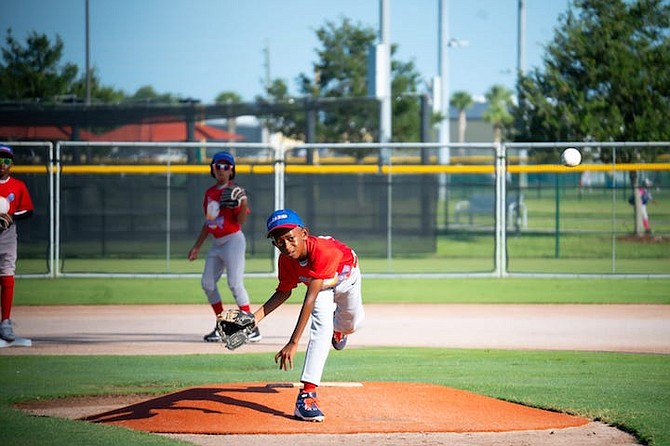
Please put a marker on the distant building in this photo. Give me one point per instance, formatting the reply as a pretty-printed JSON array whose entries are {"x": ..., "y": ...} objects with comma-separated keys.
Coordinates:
[{"x": 476, "y": 130}]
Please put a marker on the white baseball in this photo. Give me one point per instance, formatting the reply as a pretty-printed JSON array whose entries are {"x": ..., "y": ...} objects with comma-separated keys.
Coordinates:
[
  {"x": 571, "y": 157},
  {"x": 4, "y": 205}
]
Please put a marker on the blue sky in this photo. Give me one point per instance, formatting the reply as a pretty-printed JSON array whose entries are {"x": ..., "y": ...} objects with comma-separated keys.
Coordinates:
[{"x": 199, "y": 48}]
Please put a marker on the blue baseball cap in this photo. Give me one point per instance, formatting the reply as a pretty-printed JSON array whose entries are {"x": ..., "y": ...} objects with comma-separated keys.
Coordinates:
[
  {"x": 6, "y": 152},
  {"x": 283, "y": 218},
  {"x": 223, "y": 157}
]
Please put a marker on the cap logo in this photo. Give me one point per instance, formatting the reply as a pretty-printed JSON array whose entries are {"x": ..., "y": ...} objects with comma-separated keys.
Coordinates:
[{"x": 276, "y": 218}]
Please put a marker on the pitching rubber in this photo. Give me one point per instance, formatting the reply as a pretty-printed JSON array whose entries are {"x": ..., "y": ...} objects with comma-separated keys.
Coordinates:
[{"x": 18, "y": 342}]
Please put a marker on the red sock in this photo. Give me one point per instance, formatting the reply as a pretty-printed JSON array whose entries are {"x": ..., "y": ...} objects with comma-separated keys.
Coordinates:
[
  {"x": 246, "y": 308},
  {"x": 6, "y": 295},
  {"x": 218, "y": 308},
  {"x": 308, "y": 387}
]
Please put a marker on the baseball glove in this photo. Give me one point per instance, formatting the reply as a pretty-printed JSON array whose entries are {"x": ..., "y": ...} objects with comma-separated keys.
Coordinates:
[
  {"x": 6, "y": 221},
  {"x": 234, "y": 327},
  {"x": 232, "y": 196}
]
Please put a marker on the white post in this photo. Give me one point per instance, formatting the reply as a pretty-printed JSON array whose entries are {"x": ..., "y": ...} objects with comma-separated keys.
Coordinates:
[
  {"x": 385, "y": 117},
  {"x": 88, "y": 56},
  {"x": 279, "y": 201},
  {"x": 384, "y": 76},
  {"x": 443, "y": 67},
  {"x": 501, "y": 210},
  {"x": 520, "y": 63},
  {"x": 55, "y": 214},
  {"x": 443, "y": 46}
]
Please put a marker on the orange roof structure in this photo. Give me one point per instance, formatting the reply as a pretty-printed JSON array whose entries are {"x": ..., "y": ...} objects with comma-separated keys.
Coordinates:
[
  {"x": 39, "y": 132},
  {"x": 145, "y": 132},
  {"x": 165, "y": 132}
]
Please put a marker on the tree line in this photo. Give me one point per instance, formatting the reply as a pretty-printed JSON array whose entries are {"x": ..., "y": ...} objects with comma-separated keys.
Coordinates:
[{"x": 605, "y": 76}]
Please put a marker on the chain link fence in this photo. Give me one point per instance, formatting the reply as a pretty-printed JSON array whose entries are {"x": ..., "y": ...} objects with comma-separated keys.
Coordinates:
[{"x": 135, "y": 209}]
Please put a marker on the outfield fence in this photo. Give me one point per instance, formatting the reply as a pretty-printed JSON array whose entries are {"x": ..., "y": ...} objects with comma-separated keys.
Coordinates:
[{"x": 109, "y": 209}]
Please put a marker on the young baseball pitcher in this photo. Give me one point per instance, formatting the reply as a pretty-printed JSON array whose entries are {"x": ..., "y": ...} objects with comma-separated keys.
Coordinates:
[
  {"x": 226, "y": 207},
  {"x": 329, "y": 270},
  {"x": 16, "y": 204}
]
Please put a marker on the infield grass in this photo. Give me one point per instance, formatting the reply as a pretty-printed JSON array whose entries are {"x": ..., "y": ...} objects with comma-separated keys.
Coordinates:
[
  {"x": 631, "y": 391},
  {"x": 589, "y": 235}
]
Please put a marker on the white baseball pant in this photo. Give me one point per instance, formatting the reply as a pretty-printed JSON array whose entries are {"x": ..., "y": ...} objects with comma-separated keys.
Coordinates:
[
  {"x": 226, "y": 254},
  {"x": 339, "y": 308}
]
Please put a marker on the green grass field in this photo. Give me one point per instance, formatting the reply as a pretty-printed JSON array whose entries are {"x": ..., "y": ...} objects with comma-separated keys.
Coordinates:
[
  {"x": 589, "y": 234},
  {"x": 631, "y": 391},
  {"x": 575, "y": 253}
]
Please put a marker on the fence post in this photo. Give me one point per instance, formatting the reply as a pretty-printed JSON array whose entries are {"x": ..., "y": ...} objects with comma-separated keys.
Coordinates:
[
  {"x": 557, "y": 220},
  {"x": 500, "y": 225},
  {"x": 56, "y": 222},
  {"x": 279, "y": 201}
]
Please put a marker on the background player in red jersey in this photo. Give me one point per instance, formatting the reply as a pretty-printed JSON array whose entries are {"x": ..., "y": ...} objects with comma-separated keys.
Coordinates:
[
  {"x": 329, "y": 269},
  {"x": 15, "y": 204},
  {"x": 226, "y": 207}
]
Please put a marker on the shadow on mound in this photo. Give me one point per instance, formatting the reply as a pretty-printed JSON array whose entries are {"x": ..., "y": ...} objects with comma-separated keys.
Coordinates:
[{"x": 374, "y": 407}]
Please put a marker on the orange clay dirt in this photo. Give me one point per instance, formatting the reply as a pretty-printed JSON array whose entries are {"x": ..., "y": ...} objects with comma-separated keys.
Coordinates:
[
  {"x": 357, "y": 414},
  {"x": 373, "y": 407}
]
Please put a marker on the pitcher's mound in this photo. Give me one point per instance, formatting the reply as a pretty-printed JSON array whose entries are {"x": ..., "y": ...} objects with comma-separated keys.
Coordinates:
[{"x": 373, "y": 407}]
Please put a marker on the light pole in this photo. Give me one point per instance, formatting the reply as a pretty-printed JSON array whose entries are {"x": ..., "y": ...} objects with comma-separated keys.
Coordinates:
[
  {"x": 520, "y": 67},
  {"x": 384, "y": 69},
  {"x": 88, "y": 58},
  {"x": 441, "y": 96},
  {"x": 443, "y": 73},
  {"x": 521, "y": 37}
]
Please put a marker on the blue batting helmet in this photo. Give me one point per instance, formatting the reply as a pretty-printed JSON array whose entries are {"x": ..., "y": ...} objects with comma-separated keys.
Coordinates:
[
  {"x": 222, "y": 158},
  {"x": 6, "y": 152}
]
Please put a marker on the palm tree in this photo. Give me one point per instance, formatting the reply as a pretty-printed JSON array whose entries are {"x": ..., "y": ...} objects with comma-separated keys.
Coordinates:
[
  {"x": 499, "y": 99},
  {"x": 462, "y": 101}
]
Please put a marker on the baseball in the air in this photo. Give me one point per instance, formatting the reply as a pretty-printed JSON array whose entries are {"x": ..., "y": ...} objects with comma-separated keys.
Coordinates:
[
  {"x": 571, "y": 157},
  {"x": 4, "y": 205}
]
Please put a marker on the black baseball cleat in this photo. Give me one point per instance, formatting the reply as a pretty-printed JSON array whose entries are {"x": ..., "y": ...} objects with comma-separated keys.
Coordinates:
[
  {"x": 255, "y": 335},
  {"x": 214, "y": 336}
]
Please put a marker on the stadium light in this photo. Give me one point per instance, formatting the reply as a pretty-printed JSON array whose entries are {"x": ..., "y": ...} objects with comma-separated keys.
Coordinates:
[{"x": 457, "y": 43}]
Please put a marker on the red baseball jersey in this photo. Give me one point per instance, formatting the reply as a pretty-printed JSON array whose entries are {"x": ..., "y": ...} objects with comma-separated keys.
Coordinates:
[
  {"x": 327, "y": 258},
  {"x": 220, "y": 221},
  {"x": 16, "y": 192}
]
